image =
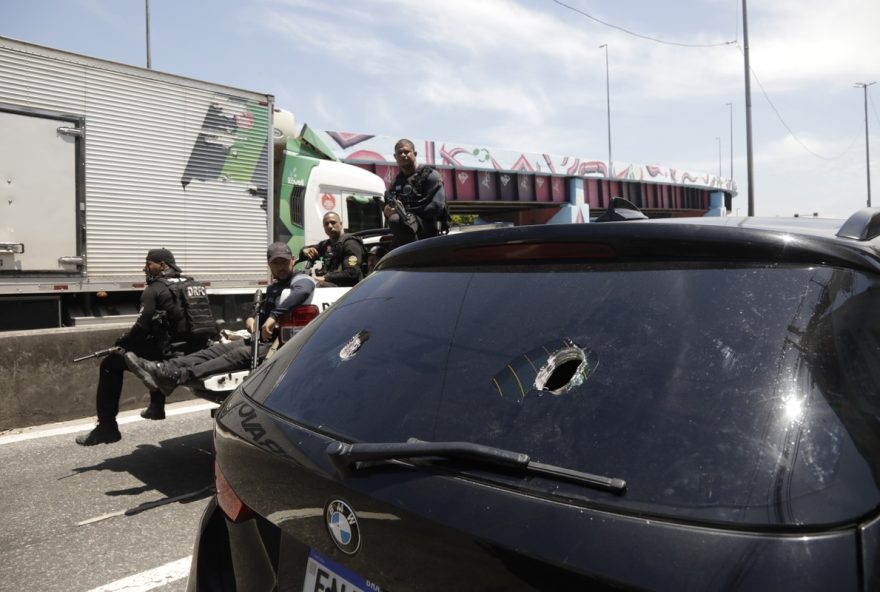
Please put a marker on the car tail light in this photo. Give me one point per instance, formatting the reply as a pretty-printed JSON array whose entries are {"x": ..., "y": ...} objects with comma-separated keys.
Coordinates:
[
  {"x": 290, "y": 324},
  {"x": 229, "y": 502},
  {"x": 534, "y": 252}
]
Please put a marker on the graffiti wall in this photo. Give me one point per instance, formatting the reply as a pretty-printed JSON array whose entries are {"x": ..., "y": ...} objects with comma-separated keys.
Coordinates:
[{"x": 463, "y": 157}]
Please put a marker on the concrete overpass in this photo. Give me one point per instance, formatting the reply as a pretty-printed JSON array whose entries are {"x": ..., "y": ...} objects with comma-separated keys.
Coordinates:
[{"x": 533, "y": 188}]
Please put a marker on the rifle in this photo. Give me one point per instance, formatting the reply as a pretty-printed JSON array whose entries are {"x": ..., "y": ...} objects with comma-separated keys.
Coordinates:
[
  {"x": 406, "y": 217},
  {"x": 255, "y": 338},
  {"x": 102, "y": 353}
]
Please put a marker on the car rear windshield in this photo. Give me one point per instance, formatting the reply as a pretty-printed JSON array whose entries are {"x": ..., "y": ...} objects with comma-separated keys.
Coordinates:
[{"x": 744, "y": 394}]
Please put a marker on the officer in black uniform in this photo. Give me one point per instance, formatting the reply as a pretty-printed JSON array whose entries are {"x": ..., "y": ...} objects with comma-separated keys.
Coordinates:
[
  {"x": 342, "y": 254},
  {"x": 419, "y": 189},
  {"x": 159, "y": 318},
  {"x": 235, "y": 355},
  {"x": 373, "y": 255}
]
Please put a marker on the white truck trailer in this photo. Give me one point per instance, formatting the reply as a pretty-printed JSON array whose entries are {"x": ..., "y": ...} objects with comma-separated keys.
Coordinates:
[{"x": 102, "y": 161}]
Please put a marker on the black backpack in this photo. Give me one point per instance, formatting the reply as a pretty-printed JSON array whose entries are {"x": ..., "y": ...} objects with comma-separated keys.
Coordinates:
[{"x": 191, "y": 297}]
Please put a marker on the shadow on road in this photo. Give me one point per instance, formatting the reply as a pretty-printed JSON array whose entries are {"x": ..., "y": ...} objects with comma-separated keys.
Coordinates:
[{"x": 178, "y": 468}]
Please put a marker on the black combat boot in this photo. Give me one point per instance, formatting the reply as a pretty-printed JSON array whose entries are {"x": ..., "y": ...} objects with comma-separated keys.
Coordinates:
[
  {"x": 156, "y": 409},
  {"x": 157, "y": 376},
  {"x": 167, "y": 376},
  {"x": 141, "y": 368},
  {"x": 104, "y": 433}
]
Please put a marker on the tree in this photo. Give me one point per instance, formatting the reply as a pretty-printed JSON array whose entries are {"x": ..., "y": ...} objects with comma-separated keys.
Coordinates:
[{"x": 463, "y": 219}]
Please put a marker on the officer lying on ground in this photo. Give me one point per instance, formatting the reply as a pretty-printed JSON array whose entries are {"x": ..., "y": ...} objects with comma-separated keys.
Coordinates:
[
  {"x": 159, "y": 332},
  {"x": 235, "y": 355}
]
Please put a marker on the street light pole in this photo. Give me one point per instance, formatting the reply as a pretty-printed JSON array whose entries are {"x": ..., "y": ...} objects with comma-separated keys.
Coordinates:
[
  {"x": 864, "y": 86},
  {"x": 608, "y": 104},
  {"x": 147, "y": 4},
  {"x": 750, "y": 165},
  {"x": 730, "y": 105},
  {"x": 719, "y": 157}
]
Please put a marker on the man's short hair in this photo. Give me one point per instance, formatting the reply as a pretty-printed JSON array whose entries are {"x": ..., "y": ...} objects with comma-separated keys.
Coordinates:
[{"x": 402, "y": 141}]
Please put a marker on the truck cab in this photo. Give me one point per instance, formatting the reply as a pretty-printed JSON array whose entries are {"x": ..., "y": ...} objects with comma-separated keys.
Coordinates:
[{"x": 311, "y": 182}]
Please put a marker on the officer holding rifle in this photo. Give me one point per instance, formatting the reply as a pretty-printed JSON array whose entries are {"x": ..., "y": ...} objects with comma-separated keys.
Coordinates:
[
  {"x": 160, "y": 317},
  {"x": 415, "y": 204}
]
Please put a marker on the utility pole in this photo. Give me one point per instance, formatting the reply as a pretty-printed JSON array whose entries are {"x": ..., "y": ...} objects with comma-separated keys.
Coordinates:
[
  {"x": 750, "y": 164},
  {"x": 864, "y": 86},
  {"x": 608, "y": 104},
  {"x": 147, "y": 3},
  {"x": 730, "y": 106}
]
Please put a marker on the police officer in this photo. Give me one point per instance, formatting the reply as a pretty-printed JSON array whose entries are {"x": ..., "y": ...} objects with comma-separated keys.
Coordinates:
[
  {"x": 373, "y": 255},
  {"x": 419, "y": 189},
  {"x": 342, "y": 254},
  {"x": 235, "y": 355},
  {"x": 159, "y": 318}
]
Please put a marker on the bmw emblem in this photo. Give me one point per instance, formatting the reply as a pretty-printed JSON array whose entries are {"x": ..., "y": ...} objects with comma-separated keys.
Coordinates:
[{"x": 342, "y": 526}]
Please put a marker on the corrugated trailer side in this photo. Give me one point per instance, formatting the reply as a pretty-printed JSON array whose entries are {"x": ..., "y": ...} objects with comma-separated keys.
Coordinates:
[{"x": 161, "y": 160}]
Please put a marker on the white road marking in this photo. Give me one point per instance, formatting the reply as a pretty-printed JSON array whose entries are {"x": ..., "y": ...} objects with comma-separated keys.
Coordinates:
[
  {"x": 150, "y": 579},
  {"x": 59, "y": 429}
]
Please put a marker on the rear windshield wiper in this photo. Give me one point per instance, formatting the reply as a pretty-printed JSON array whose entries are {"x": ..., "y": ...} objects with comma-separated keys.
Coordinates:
[{"x": 347, "y": 458}]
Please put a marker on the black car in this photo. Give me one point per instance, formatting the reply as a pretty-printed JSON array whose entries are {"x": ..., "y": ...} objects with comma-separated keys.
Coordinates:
[{"x": 677, "y": 405}]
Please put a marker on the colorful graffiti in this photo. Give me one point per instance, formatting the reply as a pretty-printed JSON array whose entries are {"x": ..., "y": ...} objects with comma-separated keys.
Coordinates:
[
  {"x": 231, "y": 145},
  {"x": 380, "y": 149}
]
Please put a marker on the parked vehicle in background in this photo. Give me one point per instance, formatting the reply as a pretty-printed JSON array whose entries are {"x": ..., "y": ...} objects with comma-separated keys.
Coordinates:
[
  {"x": 103, "y": 161},
  {"x": 683, "y": 405}
]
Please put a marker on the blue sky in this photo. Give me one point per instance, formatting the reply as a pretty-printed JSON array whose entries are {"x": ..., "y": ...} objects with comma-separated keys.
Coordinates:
[{"x": 528, "y": 75}]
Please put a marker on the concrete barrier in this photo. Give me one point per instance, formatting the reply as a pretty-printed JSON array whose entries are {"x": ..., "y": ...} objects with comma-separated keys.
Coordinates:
[{"x": 39, "y": 383}]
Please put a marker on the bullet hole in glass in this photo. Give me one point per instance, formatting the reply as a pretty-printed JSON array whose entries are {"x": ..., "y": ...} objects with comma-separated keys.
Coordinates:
[
  {"x": 556, "y": 367},
  {"x": 353, "y": 345},
  {"x": 565, "y": 369}
]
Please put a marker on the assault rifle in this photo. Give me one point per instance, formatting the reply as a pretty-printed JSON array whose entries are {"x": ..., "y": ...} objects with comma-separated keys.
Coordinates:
[
  {"x": 101, "y": 353},
  {"x": 407, "y": 218},
  {"x": 255, "y": 338}
]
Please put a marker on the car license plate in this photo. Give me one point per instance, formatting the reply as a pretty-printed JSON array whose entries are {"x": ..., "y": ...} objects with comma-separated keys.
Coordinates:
[{"x": 323, "y": 574}]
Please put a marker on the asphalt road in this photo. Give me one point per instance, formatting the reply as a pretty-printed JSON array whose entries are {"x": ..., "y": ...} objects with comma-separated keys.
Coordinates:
[{"x": 109, "y": 517}]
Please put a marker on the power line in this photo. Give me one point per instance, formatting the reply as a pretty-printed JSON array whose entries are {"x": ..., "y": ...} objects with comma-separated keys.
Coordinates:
[
  {"x": 639, "y": 35},
  {"x": 791, "y": 133},
  {"x": 737, "y": 44}
]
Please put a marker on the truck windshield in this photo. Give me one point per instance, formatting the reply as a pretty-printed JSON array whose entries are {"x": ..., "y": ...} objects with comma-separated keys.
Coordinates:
[{"x": 364, "y": 212}]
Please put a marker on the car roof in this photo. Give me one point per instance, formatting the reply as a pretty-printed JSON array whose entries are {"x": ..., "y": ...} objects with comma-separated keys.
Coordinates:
[
  {"x": 827, "y": 227},
  {"x": 795, "y": 240}
]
